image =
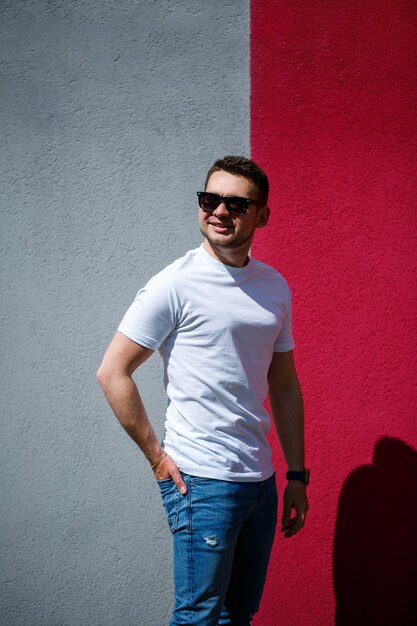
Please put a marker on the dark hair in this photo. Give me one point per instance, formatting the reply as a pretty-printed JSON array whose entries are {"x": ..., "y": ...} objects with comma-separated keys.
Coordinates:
[{"x": 241, "y": 166}]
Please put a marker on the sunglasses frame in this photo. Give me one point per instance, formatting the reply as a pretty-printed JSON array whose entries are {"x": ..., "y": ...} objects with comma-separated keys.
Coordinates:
[{"x": 227, "y": 200}]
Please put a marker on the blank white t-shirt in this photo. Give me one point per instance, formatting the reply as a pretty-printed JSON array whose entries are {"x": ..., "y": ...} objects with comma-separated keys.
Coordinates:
[{"x": 216, "y": 327}]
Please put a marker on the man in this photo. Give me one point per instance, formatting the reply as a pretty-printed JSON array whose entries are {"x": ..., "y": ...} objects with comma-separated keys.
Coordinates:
[{"x": 222, "y": 322}]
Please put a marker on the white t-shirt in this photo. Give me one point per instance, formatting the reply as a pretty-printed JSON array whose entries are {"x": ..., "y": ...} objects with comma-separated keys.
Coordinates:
[{"x": 216, "y": 327}]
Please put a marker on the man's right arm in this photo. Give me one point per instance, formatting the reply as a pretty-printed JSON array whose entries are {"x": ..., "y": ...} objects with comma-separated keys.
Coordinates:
[{"x": 122, "y": 358}]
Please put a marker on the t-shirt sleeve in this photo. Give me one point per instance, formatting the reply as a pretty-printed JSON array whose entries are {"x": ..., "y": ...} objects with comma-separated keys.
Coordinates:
[
  {"x": 285, "y": 340},
  {"x": 152, "y": 315}
]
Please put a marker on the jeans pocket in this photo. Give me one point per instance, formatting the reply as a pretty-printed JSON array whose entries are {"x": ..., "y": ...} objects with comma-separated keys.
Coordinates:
[{"x": 170, "y": 499}]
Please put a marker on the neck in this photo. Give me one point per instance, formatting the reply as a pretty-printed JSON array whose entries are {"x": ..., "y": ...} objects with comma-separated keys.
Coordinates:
[{"x": 236, "y": 257}]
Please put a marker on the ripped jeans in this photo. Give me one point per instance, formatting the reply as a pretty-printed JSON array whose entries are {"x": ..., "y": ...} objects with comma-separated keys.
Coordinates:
[{"x": 223, "y": 533}]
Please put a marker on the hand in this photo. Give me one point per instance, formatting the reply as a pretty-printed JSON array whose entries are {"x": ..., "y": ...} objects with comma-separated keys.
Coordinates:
[
  {"x": 295, "y": 497},
  {"x": 168, "y": 469}
]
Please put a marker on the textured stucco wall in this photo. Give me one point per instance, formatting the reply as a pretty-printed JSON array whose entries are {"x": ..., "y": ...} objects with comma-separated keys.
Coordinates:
[
  {"x": 111, "y": 114},
  {"x": 333, "y": 119}
]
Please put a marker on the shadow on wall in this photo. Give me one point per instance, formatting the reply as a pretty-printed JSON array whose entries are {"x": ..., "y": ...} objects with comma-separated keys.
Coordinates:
[{"x": 375, "y": 550}]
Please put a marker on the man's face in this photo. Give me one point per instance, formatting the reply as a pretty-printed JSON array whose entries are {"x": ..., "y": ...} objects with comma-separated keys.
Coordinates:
[{"x": 221, "y": 228}]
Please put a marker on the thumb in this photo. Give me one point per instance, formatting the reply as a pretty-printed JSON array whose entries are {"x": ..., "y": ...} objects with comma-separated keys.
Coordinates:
[
  {"x": 177, "y": 478},
  {"x": 286, "y": 512}
]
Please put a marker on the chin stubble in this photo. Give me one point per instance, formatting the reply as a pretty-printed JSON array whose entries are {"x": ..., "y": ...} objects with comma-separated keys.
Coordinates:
[{"x": 234, "y": 243}]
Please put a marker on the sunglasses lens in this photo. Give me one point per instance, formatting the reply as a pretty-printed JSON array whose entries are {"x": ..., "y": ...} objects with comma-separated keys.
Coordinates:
[
  {"x": 208, "y": 201},
  {"x": 237, "y": 206}
]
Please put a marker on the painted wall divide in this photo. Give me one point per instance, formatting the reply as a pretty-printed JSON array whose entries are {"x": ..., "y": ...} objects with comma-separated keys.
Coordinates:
[
  {"x": 111, "y": 114},
  {"x": 333, "y": 121}
]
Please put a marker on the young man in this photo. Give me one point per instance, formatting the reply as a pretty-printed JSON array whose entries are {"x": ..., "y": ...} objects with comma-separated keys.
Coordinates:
[{"x": 222, "y": 322}]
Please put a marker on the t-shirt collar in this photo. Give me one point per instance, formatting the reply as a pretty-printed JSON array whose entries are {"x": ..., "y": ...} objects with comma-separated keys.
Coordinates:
[{"x": 231, "y": 269}]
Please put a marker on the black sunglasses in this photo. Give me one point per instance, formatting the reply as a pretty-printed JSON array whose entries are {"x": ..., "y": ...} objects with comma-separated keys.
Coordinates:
[{"x": 234, "y": 204}]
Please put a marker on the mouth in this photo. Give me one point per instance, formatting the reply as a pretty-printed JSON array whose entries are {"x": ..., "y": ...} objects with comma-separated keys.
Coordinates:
[{"x": 219, "y": 227}]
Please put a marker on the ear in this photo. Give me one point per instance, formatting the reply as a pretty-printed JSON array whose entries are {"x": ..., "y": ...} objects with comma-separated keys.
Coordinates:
[{"x": 263, "y": 216}]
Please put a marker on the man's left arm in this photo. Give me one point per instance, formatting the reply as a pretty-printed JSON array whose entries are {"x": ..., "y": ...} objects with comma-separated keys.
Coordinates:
[{"x": 286, "y": 404}]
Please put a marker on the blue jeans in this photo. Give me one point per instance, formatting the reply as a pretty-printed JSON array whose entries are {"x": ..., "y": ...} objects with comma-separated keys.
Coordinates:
[{"x": 223, "y": 533}]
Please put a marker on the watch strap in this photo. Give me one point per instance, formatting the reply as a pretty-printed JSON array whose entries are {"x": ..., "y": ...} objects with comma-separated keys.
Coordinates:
[{"x": 303, "y": 475}]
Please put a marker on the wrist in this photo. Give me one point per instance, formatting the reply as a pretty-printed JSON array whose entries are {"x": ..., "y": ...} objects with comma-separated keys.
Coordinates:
[
  {"x": 154, "y": 455},
  {"x": 158, "y": 461}
]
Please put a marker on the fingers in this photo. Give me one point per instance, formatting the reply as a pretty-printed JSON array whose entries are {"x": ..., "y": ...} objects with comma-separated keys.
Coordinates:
[
  {"x": 166, "y": 469},
  {"x": 295, "y": 525},
  {"x": 294, "y": 499}
]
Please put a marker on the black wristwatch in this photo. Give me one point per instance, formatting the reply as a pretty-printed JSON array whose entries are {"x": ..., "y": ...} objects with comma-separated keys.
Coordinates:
[{"x": 303, "y": 475}]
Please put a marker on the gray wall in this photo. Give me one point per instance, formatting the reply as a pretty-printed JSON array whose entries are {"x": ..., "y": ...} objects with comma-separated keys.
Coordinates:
[{"x": 111, "y": 114}]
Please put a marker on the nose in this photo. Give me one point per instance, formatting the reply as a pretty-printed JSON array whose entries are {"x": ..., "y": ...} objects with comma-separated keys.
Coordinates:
[{"x": 221, "y": 210}]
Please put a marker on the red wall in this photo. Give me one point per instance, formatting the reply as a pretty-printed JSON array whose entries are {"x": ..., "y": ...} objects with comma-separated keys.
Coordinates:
[{"x": 333, "y": 121}]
